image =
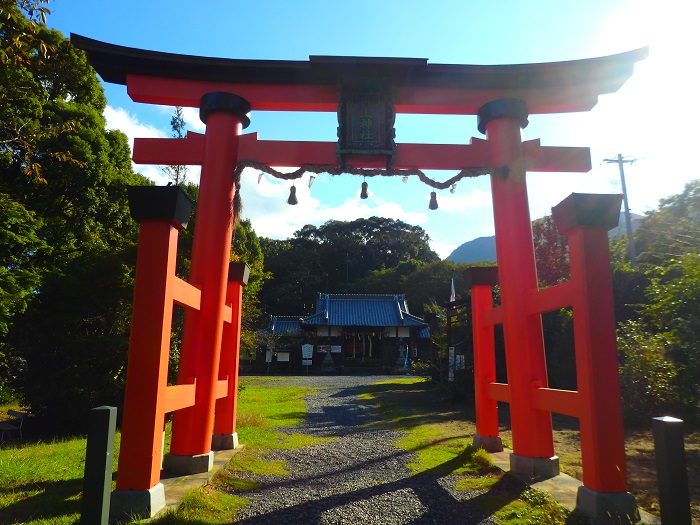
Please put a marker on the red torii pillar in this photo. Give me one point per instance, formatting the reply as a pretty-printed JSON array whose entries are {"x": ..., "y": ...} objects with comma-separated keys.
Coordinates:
[
  {"x": 161, "y": 211},
  {"x": 481, "y": 279},
  {"x": 533, "y": 444},
  {"x": 585, "y": 220},
  {"x": 225, "y": 116},
  {"x": 209, "y": 354},
  {"x": 225, "y": 436}
]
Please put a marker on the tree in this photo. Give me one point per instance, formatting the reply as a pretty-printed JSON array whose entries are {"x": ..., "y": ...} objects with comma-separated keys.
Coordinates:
[
  {"x": 74, "y": 339},
  {"x": 64, "y": 176},
  {"x": 19, "y": 243},
  {"x": 551, "y": 252},
  {"x": 177, "y": 173},
  {"x": 674, "y": 312},
  {"x": 647, "y": 375},
  {"x": 672, "y": 230},
  {"x": 26, "y": 48},
  {"x": 334, "y": 256},
  {"x": 297, "y": 275},
  {"x": 19, "y": 276},
  {"x": 659, "y": 302}
]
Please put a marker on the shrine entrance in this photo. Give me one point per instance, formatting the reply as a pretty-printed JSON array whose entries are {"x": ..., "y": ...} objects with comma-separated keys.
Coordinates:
[{"x": 367, "y": 93}]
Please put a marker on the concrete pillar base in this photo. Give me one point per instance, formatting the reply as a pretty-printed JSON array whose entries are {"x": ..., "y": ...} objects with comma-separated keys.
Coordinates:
[
  {"x": 125, "y": 505},
  {"x": 185, "y": 465},
  {"x": 224, "y": 441},
  {"x": 607, "y": 507},
  {"x": 534, "y": 468},
  {"x": 488, "y": 443}
]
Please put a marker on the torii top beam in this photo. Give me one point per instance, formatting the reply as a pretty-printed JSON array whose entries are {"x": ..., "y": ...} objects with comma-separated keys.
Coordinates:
[{"x": 417, "y": 87}]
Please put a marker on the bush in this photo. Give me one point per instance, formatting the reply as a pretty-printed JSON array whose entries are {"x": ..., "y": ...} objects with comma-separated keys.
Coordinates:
[
  {"x": 647, "y": 376},
  {"x": 421, "y": 368}
]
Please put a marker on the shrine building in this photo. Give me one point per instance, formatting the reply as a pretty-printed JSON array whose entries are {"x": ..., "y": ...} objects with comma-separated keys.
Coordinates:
[{"x": 351, "y": 332}]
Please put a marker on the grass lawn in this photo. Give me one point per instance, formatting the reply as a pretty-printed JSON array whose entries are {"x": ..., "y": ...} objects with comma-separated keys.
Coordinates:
[
  {"x": 41, "y": 483},
  {"x": 265, "y": 404}
]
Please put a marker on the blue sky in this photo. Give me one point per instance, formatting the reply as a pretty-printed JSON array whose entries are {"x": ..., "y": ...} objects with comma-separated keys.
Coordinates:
[{"x": 653, "y": 118}]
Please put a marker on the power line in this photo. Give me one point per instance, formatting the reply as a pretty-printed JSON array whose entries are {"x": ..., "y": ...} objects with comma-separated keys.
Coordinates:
[{"x": 620, "y": 161}]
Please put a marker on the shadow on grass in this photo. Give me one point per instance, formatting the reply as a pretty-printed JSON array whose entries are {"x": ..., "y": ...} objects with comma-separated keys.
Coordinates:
[
  {"x": 172, "y": 519},
  {"x": 297, "y": 416},
  {"x": 406, "y": 405},
  {"x": 55, "y": 499}
]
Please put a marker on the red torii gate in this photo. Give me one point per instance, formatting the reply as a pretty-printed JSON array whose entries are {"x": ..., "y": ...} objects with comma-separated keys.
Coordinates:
[{"x": 226, "y": 91}]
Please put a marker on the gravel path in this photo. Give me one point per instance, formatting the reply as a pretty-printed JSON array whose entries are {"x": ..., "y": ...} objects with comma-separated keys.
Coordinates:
[{"x": 358, "y": 478}]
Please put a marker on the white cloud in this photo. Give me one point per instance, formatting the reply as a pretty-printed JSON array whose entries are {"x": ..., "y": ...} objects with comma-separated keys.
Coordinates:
[
  {"x": 265, "y": 204},
  {"x": 194, "y": 123},
  {"x": 152, "y": 172},
  {"x": 464, "y": 202},
  {"x": 128, "y": 123},
  {"x": 190, "y": 115},
  {"x": 443, "y": 249}
]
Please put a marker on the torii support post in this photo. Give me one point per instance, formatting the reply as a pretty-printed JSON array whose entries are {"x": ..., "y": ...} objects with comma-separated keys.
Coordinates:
[
  {"x": 585, "y": 219},
  {"x": 161, "y": 211},
  {"x": 225, "y": 116},
  {"x": 533, "y": 444},
  {"x": 225, "y": 436},
  {"x": 481, "y": 280}
]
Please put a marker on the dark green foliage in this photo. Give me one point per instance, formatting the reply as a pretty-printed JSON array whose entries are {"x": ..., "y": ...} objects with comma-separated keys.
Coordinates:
[
  {"x": 74, "y": 340},
  {"x": 67, "y": 236},
  {"x": 558, "y": 333},
  {"x": 647, "y": 375},
  {"x": 673, "y": 312},
  {"x": 333, "y": 257},
  {"x": 672, "y": 230},
  {"x": 19, "y": 245},
  {"x": 658, "y": 305}
]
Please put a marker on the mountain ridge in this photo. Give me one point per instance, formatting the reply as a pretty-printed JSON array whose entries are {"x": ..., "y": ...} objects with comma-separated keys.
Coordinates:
[{"x": 484, "y": 248}]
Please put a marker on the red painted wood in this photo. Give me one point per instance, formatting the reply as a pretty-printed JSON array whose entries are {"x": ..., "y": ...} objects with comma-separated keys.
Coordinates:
[
  {"x": 560, "y": 401},
  {"x": 602, "y": 434},
  {"x": 484, "y": 362},
  {"x": 324, "y": 98},
  {"x": 187, "y": 151},
  {"x": 145, "y": 400},
  {"x": 500, "y": 392},
  {"x": 226, "y": 407},
  {"x": 203, "y": 329},
  {"x": 524, "y": 345},
  {"x": 278, "y": 153}
]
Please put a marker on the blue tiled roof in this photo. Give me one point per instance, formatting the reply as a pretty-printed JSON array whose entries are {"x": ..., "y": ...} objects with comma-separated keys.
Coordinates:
[
  {"x": 362, "y": 310},
  {"x": 285, "y": 325}
]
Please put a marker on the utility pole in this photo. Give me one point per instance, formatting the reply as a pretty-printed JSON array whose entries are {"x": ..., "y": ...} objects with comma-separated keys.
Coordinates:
[{"x": 620, "y": 161}]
